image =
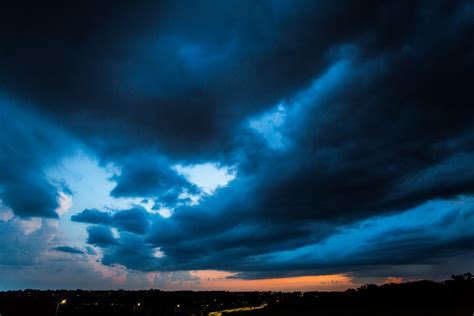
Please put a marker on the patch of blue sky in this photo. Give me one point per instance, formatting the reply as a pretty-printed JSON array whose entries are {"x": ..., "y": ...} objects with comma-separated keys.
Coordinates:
[
  {"x": 90, "y": 185},
  {"x": 208, "y": 176}
]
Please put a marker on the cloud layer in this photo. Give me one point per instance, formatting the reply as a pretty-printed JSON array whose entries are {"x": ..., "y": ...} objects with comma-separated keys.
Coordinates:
[{"x": 342, "y": 132}]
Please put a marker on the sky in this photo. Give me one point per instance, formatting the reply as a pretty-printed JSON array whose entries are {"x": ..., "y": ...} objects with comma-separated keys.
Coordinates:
[{"x": 235, "y": 145}]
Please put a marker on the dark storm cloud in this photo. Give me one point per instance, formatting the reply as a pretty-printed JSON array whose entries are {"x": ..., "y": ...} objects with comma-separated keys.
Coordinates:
[
  {"x": 415, "y": 237},
  {"x": 147, "y": 175},
  {"x": 170, "y": 74},
  {"x": 132, "y": 252},
  {"x": 376, "y": 119},
  {"x": 404, "y": 240},
  {"x": 68, "y": 249},
  {"x": 393, "y": 132},
  {"x": 28, "y": 145},
  {"x": 377, "y": 141},
  {"x": 101, "y": 236},
  {"x": 135, "y": 220},
  {"x": 93, "y": 216}
]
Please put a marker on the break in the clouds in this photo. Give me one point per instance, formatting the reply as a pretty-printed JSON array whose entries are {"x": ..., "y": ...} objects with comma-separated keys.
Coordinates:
[{"x": 264, "y": 139}]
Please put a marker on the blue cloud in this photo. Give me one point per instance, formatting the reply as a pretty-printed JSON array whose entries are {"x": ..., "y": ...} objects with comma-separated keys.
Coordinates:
[
  {"x": 68, "y": 249},
  {"x": 133, "y": 252},
  {"x": 93, "y": 216},
  {"x": 29, "y": 145},
  {"x": 135, "y": 220},
  {"x": 151, "y": 176},
  {"x": 101, "y": 236}
]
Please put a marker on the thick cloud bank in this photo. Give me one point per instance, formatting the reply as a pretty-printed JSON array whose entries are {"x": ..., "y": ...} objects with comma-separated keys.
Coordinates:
[{"x": 348, "y": 128}]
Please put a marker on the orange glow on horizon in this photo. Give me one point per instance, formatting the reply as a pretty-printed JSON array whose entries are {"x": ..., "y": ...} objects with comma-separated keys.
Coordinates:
[
  {"x": 219, "y": 280},
  {"x": 393, "y": 280}
]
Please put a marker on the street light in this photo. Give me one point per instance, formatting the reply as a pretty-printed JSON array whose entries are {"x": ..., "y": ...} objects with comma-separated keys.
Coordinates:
[
  {"x": 135, "y": 307},
  {"x": 57, "y": 306}
]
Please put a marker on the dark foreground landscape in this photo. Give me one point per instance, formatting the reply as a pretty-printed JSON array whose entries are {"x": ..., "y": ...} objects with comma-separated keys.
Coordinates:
[{"x": 451, "y": 297}]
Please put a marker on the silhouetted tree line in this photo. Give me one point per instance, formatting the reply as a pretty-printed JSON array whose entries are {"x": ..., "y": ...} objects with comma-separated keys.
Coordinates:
[{"x": 451, "y": 297}]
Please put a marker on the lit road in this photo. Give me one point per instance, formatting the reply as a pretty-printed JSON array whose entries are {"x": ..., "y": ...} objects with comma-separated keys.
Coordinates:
[{"x": 240, "y": 309}]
